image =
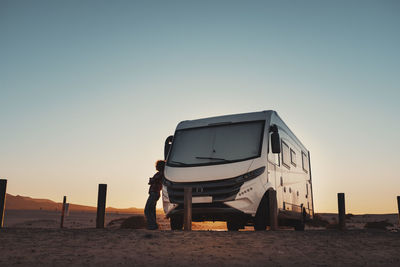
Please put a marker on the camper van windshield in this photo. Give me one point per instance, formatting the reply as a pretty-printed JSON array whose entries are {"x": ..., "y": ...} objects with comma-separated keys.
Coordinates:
[{"x": 216, "y": 144}]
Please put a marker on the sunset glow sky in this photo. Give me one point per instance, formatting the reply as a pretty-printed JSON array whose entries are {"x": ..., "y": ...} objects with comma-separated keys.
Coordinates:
[{"x": 89, "y": 90}]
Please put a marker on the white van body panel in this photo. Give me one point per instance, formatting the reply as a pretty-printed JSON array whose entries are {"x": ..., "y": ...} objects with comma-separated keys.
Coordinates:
[
  {"x": 254, "y": 116},
  {"x": 210, "y": 173},
  {"x": 291, "y": 181}
]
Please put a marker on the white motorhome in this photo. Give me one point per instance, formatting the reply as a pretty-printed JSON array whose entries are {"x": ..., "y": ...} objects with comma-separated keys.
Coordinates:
[{"x": 231, "y": 163}]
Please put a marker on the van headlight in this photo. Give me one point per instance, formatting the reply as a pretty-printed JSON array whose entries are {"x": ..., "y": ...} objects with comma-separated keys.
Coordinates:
[{"x": 250, "y": 175}]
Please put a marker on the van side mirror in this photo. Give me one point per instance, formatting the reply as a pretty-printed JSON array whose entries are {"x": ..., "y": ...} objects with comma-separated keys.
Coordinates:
[
  {"x": 167, "y": 146},
  {"x": 275, "y": 140}
]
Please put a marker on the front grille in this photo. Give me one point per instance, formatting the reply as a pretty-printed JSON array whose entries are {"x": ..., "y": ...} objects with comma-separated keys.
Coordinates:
[
  {"x": 218, "y": 190},
  {"x": 217, "y": 205},
  {"x": 221, "y": 190}
]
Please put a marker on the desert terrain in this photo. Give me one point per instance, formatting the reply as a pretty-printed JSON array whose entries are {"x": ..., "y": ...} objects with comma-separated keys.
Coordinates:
[
  {"x": 110, "y": 247},
  {"x": 33, "y": 237}
]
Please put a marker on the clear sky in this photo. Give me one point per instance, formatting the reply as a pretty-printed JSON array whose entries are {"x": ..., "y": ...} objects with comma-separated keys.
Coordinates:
[{"x": 89, "y": 90}]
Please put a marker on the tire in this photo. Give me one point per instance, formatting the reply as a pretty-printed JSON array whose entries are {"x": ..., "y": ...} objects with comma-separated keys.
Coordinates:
[
  {"x": 176, "y": 222},
  {"x": 233, "y": 225},
  {"x": 262, "y": 216}
]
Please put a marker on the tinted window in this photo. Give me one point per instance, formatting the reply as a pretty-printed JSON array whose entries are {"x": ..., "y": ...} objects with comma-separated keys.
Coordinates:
[
  {"x": 285, "y": 155},
  {"x": 293, "y": 157},
  {"x": 304, "y": 161},
  {"x": 217, "y": 144}
]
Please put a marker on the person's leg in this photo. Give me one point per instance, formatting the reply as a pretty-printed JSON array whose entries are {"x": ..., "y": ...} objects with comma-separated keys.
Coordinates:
[
  {"x": 150, "y": 211},
  {"x": 155, "y": 198},
  {"x": 147, "y": 209}
]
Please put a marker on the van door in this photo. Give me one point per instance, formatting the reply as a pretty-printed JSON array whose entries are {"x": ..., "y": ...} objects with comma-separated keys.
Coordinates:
[
  {"x": 285, "y": 176},
  {"x": 308, "y": 190},
  {"x": 274, "y": 174},
  {"x": 271, "y": 173}
]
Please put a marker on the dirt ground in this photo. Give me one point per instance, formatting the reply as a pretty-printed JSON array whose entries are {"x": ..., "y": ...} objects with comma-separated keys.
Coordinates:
[
  {"x": 110, "y": 247},
  {"x": 78, "y": 220},
  {"x": 33, "y": 238}
]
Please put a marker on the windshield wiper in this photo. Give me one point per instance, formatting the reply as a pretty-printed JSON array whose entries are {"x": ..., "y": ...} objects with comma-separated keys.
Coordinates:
[
  {"x": 179, "y": 163},
  {"x": 211, "y": 158}
]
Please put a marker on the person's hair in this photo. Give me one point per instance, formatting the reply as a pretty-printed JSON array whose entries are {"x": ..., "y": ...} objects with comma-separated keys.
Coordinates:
[{"x": 160, "y": 164}]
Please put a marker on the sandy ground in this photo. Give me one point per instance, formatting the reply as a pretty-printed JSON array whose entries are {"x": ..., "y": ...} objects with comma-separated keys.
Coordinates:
[
  {"x": 52, "y": 219},
  {"x": 79, "y": 220},
  {"x": 32, "y": 238},
  {"x": 105, "y": 247}
]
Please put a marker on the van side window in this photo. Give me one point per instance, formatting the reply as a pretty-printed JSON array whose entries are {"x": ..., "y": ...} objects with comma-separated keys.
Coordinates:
[
  {"x": 304, "y": 161},
  {"x": 285, "y": 155},
  {"x": 293, "y": 157}
]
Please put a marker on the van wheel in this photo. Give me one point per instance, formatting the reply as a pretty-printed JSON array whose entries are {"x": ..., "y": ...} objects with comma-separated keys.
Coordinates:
[
  {"x": 176, "y": 222},
  {"x": 233, "y": 225},
  {"x": 262, "y": 216}
]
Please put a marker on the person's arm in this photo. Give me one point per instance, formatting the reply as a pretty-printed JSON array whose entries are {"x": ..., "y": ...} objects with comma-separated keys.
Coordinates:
[
  {"x": 152, "y": 180},
  {"x": 157, "y": 178}
]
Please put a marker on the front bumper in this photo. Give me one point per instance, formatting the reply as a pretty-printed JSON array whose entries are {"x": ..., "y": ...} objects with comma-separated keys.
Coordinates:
[
  {"x": 211, "y": 212},
  {"x": 220, "y": 190},
  {"x": 234, "y": 197}
]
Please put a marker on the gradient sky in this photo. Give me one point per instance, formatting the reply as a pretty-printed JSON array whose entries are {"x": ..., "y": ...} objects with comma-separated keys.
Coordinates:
[{"x": 90, "y": 89}]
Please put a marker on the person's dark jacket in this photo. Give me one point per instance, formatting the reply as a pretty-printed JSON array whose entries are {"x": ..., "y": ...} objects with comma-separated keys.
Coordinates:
[{"x": 156, "y": 182}]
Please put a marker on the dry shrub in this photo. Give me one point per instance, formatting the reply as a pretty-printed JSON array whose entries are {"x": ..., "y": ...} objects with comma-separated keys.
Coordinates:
[
  {"x": 134, "y": 222},
  {"x": 116, "y": 224},
  {"x": 378, "y": 225}
]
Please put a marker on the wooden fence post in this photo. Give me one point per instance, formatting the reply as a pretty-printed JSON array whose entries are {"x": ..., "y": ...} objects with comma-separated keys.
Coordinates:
[
  {"x": 101, "y": 205},
  {"x": 398, "y": 206},
  {"x": 187, "y": 206},
  {"x": 63, "y": 212},
  {"x": 3, "y": 189},
  {"x": 273, "y": 210},
  {"x": 342, "y": 211}
]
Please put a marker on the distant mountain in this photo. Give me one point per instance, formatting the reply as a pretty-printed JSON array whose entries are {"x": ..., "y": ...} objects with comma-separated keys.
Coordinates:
[{"x": 28, "y": 203}]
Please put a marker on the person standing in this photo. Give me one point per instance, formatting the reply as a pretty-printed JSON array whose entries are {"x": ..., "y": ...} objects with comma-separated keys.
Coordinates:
[{"x": 154, "y": 194}]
